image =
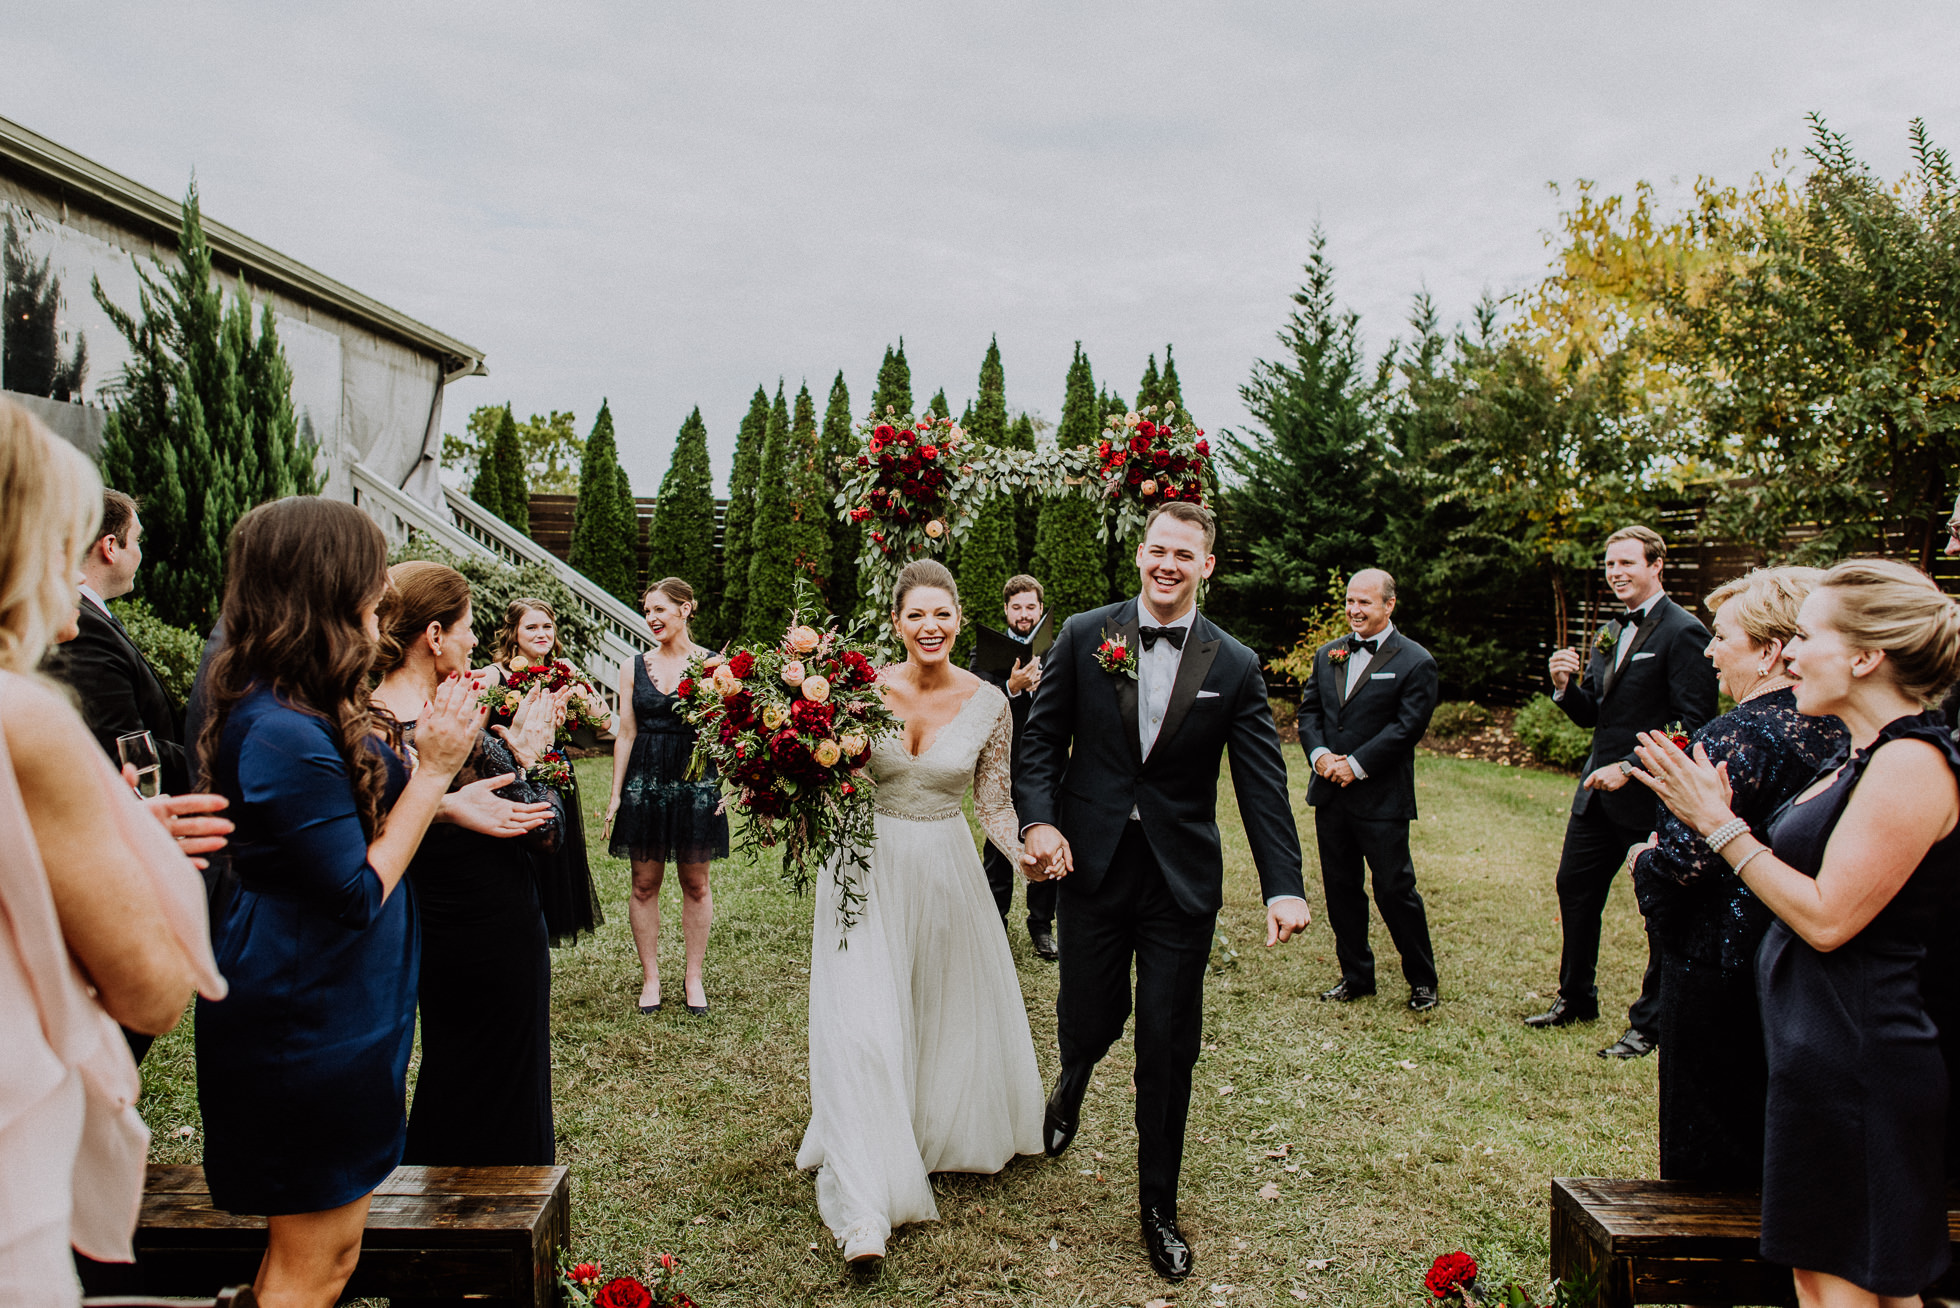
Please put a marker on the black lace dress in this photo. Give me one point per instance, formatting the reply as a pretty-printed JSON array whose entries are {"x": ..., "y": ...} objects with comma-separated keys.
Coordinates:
[
  {"x": 1854, "y": 1180},
  {"x": 1713, "y": 1080},
  {"x": 565, "y": 889},
  {"x": 663, "y": 817},
  {"x": 483, "y": 1093}
]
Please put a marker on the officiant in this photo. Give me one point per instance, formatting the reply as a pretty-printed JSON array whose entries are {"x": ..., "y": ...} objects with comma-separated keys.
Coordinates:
[{"x": 1017, "y": 672}]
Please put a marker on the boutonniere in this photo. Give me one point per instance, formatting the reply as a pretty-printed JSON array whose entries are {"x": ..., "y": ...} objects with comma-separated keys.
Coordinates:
[
  {"x": 1116, "y": 656},
  {"x": 1606, "y": 639},
  {"x": 1339, "y": 654}
]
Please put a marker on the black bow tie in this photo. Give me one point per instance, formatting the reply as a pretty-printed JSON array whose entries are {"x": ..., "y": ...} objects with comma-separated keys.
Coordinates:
[
  {"x": 1151, "y": 635},
  {"x": 1632, "y": 617},
  {"x": 1359, "y": 643}
]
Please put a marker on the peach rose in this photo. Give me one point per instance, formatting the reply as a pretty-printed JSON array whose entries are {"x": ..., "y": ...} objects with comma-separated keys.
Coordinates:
[
  {"x": 793, "y": 672},
  {"x": 816, "y": 689},
  {"x": 935, "y": 529},
  {"x": 853, "y": 743},
  {"x": 773, "y": 716},
  {"x": 1149, "y": 487},
  {"x": 712, "y": 662},
  {"x": 727, "y": 684},
  {"x": 804, "y": 639},
  {"x": 827, "y": 753}
]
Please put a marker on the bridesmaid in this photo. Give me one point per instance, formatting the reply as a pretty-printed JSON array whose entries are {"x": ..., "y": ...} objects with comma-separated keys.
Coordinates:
[
  {"x": 1856, "y": 870},
  {"x": 655, "y": 813},
  {"x": 529, "y": 636},
  {"x": 483, "y": 1094}
]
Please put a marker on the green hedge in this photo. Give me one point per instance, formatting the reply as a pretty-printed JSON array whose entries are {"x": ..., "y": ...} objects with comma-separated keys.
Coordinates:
[
  {"x": 1457, "y": 717},
  {"x": 1543, "y": 728},
  {"x": 493, "y": 585},
  {"x": 172, "y": 651}
]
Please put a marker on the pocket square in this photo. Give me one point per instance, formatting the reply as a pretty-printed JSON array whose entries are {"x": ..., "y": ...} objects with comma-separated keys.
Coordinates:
[
  {"x": 1645, "y": 654},
  {"x": 1207, "y": 694},
  {"x": 1381, "y": 676}
]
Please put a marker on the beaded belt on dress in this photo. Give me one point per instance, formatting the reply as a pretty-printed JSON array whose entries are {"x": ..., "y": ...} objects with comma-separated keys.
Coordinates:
[{"x": 940, "y": 816}]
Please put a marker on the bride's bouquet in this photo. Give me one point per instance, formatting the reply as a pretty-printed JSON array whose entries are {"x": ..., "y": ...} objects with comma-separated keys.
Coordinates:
[{"x": 790, "y": 727}]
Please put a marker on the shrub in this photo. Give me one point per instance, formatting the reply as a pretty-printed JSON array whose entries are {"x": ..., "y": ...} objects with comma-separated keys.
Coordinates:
[
  {"x": 493, "y": 585},
  {"x": 172, "y": 651},
  {"x": 1457, "y": 717},
  {"x": 1543, "y": 728}
]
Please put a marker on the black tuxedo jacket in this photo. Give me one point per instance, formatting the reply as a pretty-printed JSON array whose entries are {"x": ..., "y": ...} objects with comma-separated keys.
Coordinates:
[
  {"x": 1664, "y": 677},
  {"x": 120, "y": 693},
  {"x": 1081, "y": 767},
  {"x": 1378, "y": 725}
]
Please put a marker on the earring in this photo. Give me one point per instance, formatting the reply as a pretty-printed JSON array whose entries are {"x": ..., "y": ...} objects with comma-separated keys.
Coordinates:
[{"x": 1762, "y": 669}]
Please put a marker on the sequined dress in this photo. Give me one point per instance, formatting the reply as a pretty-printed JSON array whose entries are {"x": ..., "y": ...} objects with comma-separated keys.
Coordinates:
[{"x": 921, "y": 1060}]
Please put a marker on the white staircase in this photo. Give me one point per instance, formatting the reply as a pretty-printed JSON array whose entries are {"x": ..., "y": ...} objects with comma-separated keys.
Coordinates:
[{"x": 467, "y": 528}]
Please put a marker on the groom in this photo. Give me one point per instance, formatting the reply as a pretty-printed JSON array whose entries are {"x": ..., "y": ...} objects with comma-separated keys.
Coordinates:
[{"x": 1117, "y": 785}]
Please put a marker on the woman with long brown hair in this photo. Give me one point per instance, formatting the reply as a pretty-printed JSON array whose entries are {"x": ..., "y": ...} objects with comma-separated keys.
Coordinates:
[
  {"x": 302, "y": 1070},
  {"x": 483, "y": 1094}
]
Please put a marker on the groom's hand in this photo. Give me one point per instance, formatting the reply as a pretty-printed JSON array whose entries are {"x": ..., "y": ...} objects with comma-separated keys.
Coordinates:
[
  {"x": 1286, "y": 918},
  {"x": 1045, "y": 854}
]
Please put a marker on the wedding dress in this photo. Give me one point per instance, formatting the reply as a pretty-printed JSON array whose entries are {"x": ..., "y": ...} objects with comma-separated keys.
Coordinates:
[{"x": 920, "y": 1056}]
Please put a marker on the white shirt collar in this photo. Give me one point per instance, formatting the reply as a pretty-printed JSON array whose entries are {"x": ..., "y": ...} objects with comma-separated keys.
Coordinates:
[
  {"x": 1644, "y": 609},
  {"x": 1144, "y": 618},
  {"x": 1380, "y": 638},
  {"x": 88, "y": 593}
]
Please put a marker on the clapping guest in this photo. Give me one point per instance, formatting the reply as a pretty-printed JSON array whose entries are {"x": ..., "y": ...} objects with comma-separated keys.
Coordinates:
[
  {"x": 483, "y": 1094},
  {"x": 1855, "y": 869},
  {"x": 302, "y": 1070},
  {"x": 528, "y": 637},
  {"x": 1706, "y": 922},
  {"x": 104, "y": 920},
  {"x": 656, "y": 813}
]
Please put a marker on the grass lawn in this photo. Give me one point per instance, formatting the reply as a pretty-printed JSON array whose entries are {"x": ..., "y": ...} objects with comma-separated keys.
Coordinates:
[{"x": 1387, "y": 1137}]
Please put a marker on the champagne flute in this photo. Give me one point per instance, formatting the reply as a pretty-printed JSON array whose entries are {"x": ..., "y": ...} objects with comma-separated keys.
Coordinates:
[{"x": 138, "y": 749}]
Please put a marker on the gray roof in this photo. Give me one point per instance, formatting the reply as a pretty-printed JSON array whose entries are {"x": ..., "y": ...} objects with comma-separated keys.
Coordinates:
[{"x": 85, "y": 184}]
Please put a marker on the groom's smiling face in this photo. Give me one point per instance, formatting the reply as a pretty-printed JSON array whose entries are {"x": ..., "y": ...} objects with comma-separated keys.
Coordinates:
[{"x": 1172, "y": 561}]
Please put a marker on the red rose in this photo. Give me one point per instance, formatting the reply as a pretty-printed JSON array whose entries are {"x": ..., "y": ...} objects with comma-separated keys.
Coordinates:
[
  {"x": 1146, "y": 428},
  {"x": 1192, "y": 490},
  {"x": 742, "y": 664},
  {"x": 585, "y": 1272},
  {"x": 863, "y": 462},
  {"x": 1170, "y": 492},
  {"x": 1136, "y": 476},
  {"x": 811, "y": 717},
  {"x": 905, "y": 438},
  {"x": 1140, "y": 444},
  {"x": 882, "y": 432},
  {"x": 878, "y": 536},
  {"x": 686, "y": 687},
  {"x": 1162, "y": 458},
  {"x": 623, "y": 1292},
  {"x": 1682, "y": 742},
  {"x": 848, "y": 789},
  {"x": 1203, "y": 447},
  {"x": 1450, "y": 1273},
  {"x": 928, "y": 451},
  {"x": 1102, "y": 450},
  {"x": 859, "y": 514},
  {"x": 1178, "y": 464}
]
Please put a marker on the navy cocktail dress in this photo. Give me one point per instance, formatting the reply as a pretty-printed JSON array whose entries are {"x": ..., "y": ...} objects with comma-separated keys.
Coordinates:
[
  {"x": 1854, "y": 1178},
  {"x": 664, "y": 817},
  {"x": 301, "y": 1069}
]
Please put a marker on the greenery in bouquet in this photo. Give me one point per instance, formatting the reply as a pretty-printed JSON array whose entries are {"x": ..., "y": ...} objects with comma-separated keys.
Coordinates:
[
  {"x": 789, "y": 727},
  {"x": 552, "y": 769},
  {"x": 585, "y": 1285},
  {"x": 1143, "y": 462}
]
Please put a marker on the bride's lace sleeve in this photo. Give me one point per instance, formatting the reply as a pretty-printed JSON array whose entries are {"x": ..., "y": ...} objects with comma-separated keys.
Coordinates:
[{"x": 993, "y": 788}]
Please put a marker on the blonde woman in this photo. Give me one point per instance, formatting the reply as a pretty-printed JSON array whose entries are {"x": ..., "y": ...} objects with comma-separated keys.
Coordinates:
[
  {"x": 1856, "y": 869},
  {"x": 105, "y": 915}
]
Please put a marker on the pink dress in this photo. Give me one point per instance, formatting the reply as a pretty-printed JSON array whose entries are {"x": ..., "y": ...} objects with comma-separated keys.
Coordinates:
[{"x": 72, "y": 1148}]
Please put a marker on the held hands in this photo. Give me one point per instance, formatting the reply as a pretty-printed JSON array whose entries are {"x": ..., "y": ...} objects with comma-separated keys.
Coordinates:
[
  {"x": 1024, "y": 677},
  {"x": 1694, "y": 789},
  {"x": 1564, "y": 666},
  {"x": 1610, "y": 777},
  {"x": 178, "y": 815},
  {"x": 447, "y": 728},
  {"x": 478, "y": 807},
  {"x": 1046, "y": 855},
  {"x": 1286, "y": 918}
]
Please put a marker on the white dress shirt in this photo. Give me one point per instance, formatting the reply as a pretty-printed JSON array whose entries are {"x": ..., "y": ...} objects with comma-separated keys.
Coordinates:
[
  {"x": 1626, "y": 632},
  {"x": 88, "y": 593},
  {"x": 1355, "y": 664},
  {"x": 1028, "y": 639}
]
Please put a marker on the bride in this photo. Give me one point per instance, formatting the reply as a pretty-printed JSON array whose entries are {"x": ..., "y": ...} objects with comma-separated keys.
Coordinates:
[{"x": 920, "y": 1055}]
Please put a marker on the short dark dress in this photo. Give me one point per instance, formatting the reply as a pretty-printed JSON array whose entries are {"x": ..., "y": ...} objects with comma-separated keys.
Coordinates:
[
  {"x": 1707, "y": 924},
  {"x": 483, "y": 1090},
  {"x": 663, "y": 817},
  {"x": 565, "y": 889},
  {"x": 301, "y": 1069},
  {"x": 1853, "y": 1178}
]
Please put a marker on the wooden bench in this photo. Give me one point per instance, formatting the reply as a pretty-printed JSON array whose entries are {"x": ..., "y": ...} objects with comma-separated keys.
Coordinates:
[
  {"x": 1670, "y": 1242},
  {"x": 488, "y": 1234}
]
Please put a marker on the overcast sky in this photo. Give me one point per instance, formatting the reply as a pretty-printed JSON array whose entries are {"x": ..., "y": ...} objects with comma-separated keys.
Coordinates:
[{"x": 668, "y": 204}]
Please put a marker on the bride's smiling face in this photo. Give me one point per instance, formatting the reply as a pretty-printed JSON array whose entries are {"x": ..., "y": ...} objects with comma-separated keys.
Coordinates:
[{"x": 927, "y": 622}]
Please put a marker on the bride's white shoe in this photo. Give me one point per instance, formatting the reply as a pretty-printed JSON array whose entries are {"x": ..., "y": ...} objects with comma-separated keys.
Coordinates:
[{"x": 864, "y": 1249}]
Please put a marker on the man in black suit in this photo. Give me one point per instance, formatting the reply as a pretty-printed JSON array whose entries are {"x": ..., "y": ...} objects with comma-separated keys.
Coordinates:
[
  {"x": 119, "y": 691},
  {"x": 1023, "y": 606},
  {"x": 1648, "y": 670},
  {"x": 1361, "y": 713},
  {"x": 1117, "y": 786}
]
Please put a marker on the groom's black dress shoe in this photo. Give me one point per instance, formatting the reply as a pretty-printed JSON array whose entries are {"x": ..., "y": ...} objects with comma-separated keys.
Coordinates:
[
  {"x": 1422, "y": 998},
  {"x": 1561, "y": 1014},
  {"x": 1064, "y": 1112},
  {"x": 1634, "y": 1044},
  {"x": 1168, "y": 1252},
  {"x": 1045, "y": 947},
  {"x": 1345, "y": 993}
]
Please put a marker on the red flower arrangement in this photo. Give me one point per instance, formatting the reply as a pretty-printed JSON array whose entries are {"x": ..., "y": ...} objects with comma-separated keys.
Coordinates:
[
  {"x": 909, "y": 466},
  {"x": 1144, "y": 462},
  {"x": 1454, "y": 1275},
  {"x": 1117, "y": 657},
  {"x": 790, "y": 728},
  {"x": 552, "y": 769},
  {"x": 583, "y": 1285},
  {"x": 586, "y": 709}
]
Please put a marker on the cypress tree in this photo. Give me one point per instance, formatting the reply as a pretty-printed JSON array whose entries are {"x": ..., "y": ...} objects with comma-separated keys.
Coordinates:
[
  {"x": 986, "y": 419},
  {"x": 991, "y": 552},
  {"x": 1027, "y": 508},
  {"x": 604, "y": 535},
  {"x": 840, "y": 447},
  {"x": 681, "y": 538},
  {"x": 772, "y": 565},
  {"x": 809, "y": 496},
  {"x": 628, "y": 517},
  {"x": 1169, "y": 392},
  {"x": 1148, "y": 389},
  {"x": 894, "y": 383},
  {"x": 488, "y": 488},
  {"x": 1068, "y": 552},
  {"x": 510, "y": 473},
  {"x": 937, "y": 405},
  {"x": 739, "y": 520}
]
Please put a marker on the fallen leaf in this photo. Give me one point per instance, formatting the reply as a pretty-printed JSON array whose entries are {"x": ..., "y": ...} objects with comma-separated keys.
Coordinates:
[
  {"x": 1054, "y": 1271},
  {"x": 981, "y": 1209},
  {"x": 1318, "y": 1264},
  {"x": 1292, "y": 1167},
  {"x": 1099, "y": 1154},
  {"x": 1158, "y": 1303},
  {"x": 1280, "y": 1152},
  {"x": 700, "y": 1221},
  {"x": 1224, "y": 1089},
  {"x": 1327, "y": 1044},
  {"x": 1301, "y": 1295},
  {"x": 1531, "y": 994},
  {"x": 187, "y": 1131},
  {"x": 1053, "y": 1244},
  {"x": 1270, "y": 1190},
  {"x": 1406, "y": 1065}
]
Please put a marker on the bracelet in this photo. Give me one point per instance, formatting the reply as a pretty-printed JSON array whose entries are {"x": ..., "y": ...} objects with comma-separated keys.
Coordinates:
[
  {"x": 1723, "y": 834},
  {"x": 1760, "y": 849}
]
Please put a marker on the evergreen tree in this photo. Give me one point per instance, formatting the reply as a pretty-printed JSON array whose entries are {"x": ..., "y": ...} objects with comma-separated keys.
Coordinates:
[
  {"x": 937, "y": 405},
  {"x": 991, "y": 552},
  {"x": 809, "y": 496},
  {"x": 681, "y": 539},
  {"x": 739, "y": 520},
  {"x": 894, "y": 383},
  {"x": 629, "y": 516},
  {"x": 200, "y": 423},
  {"x": 605, "y": 529},
  {"x": 986, "y": 419},
  {"x": 772, "y": 563},
  {"x": 840, "y": 448},
  {"x": 1027, "y": 508},
  {"x": 508, "y": 455},
  {"x": 1068, "y": 551},
  {"x": 1148, "y": 389},
  {"x": 1168, "y": 390},
  {"x": 31, "y": 359},
  {"x": 488, "y": 488}
]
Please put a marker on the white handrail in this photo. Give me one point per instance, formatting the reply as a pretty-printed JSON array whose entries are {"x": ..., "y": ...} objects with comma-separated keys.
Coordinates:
[{"x": 468, "y": 528}]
